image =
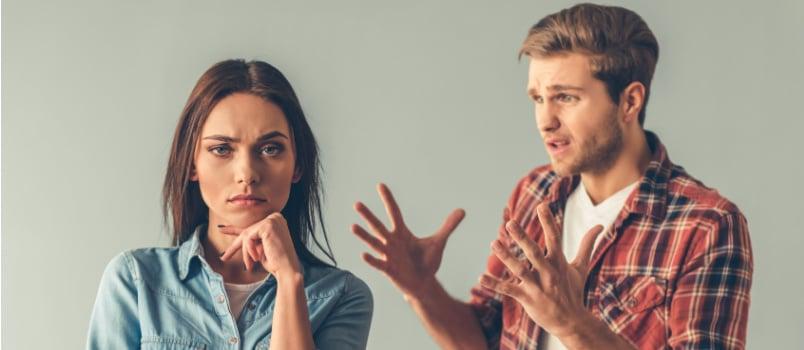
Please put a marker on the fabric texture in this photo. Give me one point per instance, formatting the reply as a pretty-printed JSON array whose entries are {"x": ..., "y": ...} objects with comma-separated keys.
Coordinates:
[
  {"x": 673, "y": 273},
  {"x": 170, "y": 298}
]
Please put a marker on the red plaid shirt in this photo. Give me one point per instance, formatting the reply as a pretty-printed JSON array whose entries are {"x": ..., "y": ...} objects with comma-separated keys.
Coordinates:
[{"x": 674, "y": 272}]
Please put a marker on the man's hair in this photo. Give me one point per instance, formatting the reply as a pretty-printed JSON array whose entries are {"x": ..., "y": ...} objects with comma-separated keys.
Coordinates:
[{"x": 621, "y": 47}]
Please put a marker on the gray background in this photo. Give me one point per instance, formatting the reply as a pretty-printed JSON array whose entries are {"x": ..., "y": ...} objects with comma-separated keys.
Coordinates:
[{"x": 427, "y": 97}]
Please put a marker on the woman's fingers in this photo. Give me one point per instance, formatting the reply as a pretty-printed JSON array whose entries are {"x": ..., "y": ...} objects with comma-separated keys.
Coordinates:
[{"x": 236, "y": 245}]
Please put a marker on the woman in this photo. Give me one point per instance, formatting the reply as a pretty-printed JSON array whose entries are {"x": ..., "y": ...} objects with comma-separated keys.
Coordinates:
[{"x": 242, "y": 190}]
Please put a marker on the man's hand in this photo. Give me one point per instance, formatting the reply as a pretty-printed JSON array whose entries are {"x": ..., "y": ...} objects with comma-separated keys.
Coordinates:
[
  {"x": 551, "y": 291},
  {"x": 410, "y": 262}
]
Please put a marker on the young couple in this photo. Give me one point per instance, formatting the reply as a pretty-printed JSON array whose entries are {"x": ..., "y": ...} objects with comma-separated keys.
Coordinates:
[{"x": 610, "y": 246}]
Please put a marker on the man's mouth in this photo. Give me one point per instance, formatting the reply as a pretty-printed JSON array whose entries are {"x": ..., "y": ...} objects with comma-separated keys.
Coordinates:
[{"x": 556, "y": 146}]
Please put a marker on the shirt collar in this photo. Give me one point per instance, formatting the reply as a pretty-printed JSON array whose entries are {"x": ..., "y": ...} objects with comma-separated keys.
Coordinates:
[
  {"x": 189, "y": 249},
  {"x": 651, "y": 192}
]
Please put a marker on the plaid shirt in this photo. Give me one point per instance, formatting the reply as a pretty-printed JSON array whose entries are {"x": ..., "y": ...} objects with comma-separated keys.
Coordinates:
[{"x": 673, "y": 272}]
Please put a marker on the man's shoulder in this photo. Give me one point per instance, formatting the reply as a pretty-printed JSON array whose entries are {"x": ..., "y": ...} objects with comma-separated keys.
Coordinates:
[
  {"x": 689, "y": 194},
  {"x": 538, "y": 179}
]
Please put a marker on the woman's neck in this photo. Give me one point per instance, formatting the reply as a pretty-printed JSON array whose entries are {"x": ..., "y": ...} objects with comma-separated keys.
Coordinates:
[{"x": 233, "y": 270}]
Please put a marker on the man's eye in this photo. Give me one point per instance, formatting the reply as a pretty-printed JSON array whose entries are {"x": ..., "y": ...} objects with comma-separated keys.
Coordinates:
[
  {"x": 566, "y": 98},
  {"x": 537, "y": 99},
  {"x": 221, "y": 150},
  {"x": 271, "y": 150}
]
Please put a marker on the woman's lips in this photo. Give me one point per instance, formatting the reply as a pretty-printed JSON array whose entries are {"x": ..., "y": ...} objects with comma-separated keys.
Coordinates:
[{"x": 246, "y": 203}]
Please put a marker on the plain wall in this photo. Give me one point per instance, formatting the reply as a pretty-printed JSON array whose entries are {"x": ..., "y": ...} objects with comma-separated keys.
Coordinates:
[{"x": 427, "y": 97}]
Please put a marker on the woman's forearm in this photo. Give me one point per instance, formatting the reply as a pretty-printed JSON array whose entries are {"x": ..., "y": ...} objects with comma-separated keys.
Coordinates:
[{"x": 291, "y": 323}]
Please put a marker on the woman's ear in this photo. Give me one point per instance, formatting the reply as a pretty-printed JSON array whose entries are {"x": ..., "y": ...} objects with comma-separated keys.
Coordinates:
[
  {"x": 193, "y": 174},
  {"x": 297, "y": 174}
]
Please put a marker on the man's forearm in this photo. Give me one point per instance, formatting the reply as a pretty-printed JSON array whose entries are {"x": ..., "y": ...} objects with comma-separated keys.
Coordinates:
[
  {"x": 450, "y": 322},
  {"x": 592, "y": 333}
]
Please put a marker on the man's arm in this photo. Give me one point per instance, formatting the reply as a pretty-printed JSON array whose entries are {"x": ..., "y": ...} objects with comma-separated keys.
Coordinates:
[
  {"x": 410, "y": 263},
  {"x": 453, "y": 324},
  {"x": 711, "y": 300}
]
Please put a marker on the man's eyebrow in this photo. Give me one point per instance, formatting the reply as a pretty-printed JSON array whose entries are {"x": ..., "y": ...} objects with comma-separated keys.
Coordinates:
[
  {"x": 557, "y": 87},
  {"x": 263, "y": 138}
]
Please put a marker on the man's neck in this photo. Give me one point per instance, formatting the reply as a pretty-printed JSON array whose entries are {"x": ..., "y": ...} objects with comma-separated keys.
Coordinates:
[{"x": 626, "y": 169}]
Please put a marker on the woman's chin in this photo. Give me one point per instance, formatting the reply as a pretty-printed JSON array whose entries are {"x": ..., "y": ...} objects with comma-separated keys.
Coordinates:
[{"x": 244, "y": 220}]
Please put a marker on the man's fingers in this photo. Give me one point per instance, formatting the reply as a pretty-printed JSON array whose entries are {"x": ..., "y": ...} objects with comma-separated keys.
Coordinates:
[
  {"x": 375, "y": 262},
  {"x": 503, "y": 287},
  {"x": 516, "y": 266},
  {"x": 531, "y": 249},
  {"x": 451, "y": 222},
  {"x": 552, "y": 233},
  {"x": 371, "y": 240},
  {"x": 394, "y": 213},
  {"x": 587, "y": 245},
  {"x": 375, "y": 224}
]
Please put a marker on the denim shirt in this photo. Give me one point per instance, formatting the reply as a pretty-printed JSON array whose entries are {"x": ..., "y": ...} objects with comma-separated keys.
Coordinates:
[{"x": 170, "y": 298}]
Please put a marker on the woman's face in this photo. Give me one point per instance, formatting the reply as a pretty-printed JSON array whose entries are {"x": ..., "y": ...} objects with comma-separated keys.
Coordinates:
[{"x": 244, "y": 161}]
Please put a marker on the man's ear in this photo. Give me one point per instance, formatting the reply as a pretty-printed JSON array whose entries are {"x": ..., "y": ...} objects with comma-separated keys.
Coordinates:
[
  {"x": 632, "y": 101},
  {"x": 297, "y": 174}
]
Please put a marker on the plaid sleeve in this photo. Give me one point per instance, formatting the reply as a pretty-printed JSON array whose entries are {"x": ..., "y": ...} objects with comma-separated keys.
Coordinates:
[{"x": 709, "y": 307}]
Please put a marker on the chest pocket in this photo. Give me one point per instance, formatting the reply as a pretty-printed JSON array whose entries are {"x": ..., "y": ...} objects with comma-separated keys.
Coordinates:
[
  {"x": 632, "y": 302},
  {"x": 170, "y": 343}
]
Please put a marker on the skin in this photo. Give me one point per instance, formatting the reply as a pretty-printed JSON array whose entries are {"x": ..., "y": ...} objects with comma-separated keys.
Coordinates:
[
  {"x": 603, "y": 142},
  {"x": 246, "y": 148}
]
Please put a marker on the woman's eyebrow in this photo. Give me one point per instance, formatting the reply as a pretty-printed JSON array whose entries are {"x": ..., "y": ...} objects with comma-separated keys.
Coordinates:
[{"x": 265, "y": 137}]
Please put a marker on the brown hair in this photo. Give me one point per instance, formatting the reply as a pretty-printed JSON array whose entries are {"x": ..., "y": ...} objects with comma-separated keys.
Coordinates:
[
  {"x": 621, "y": 47},
  {"x": 182, "y": 198}
]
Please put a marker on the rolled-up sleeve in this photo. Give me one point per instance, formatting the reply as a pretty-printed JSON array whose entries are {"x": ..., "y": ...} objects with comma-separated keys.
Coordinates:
[
  {"x": 709, "y": 308},
  {"x": 114, "y": 323}
]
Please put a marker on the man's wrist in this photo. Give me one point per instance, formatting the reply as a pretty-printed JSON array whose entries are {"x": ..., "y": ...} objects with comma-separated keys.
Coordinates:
[
  {"x": 427, "y": 289},
  {"x": 588, "y": 332}
]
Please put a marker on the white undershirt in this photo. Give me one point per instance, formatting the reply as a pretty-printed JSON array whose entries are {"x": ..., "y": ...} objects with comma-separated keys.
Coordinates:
[
  {"x": 238, "y": 293},
  {"x": 580, "y": 215}
]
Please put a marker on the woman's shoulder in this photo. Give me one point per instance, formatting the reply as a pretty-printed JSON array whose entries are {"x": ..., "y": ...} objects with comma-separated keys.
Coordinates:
[
  {"x": 325, "y": 281},
  {"x": 141, "y": 263}
]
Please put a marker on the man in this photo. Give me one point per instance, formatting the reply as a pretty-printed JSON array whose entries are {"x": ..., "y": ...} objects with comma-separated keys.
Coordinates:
[{"x": 610, "y": 246}]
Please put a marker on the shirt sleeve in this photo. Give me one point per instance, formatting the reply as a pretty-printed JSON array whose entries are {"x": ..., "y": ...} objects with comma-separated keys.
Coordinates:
[
  {"x": 348, "y": 326},
  {"x": 487, "y": 304},
  {"x": 709, "y": 307},
  {"x": 114, "y": 323}
]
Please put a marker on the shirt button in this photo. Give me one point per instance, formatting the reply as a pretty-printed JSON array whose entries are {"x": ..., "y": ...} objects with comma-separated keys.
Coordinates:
[
  {"x": 252, "y": 306},
  {"x": 631, "y": 302},
  {"x": 221, "y": 299},
  {"x": 233, "y": 340}
]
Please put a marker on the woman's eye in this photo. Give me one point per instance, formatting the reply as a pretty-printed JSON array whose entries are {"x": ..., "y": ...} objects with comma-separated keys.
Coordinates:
[
  {"x": 220, "y": 150},
  {"x": 271, "y": 150}
]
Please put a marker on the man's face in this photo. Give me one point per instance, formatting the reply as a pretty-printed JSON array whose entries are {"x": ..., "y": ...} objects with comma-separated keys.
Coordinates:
[{"x": 577, "y": 119}]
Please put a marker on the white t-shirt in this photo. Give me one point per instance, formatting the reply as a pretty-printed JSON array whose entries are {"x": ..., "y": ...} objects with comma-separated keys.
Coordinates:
[
  {"x": 580, "y": 215},
  {"x": 238, "y": 293}
]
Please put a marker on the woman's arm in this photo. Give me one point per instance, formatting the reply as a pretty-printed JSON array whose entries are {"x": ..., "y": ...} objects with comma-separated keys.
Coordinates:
[
  {"x": 291, "y": 323},
  {"x": 114, "y": 323},
  {"x": 347, "y": 326}
]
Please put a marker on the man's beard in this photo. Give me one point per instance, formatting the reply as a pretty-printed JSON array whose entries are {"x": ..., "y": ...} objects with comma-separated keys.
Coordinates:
[{"x": 597, "y": 153}]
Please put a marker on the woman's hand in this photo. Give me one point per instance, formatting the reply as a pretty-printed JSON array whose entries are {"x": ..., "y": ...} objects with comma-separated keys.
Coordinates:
[{"x": 267, "y": 242}]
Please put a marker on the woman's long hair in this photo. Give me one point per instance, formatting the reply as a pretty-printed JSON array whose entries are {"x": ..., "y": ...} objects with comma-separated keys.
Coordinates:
[{"x": 181, "y": 198}]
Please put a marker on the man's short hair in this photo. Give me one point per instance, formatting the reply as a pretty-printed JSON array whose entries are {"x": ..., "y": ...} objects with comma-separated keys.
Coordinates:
[{"x": 621, "y": 47}]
